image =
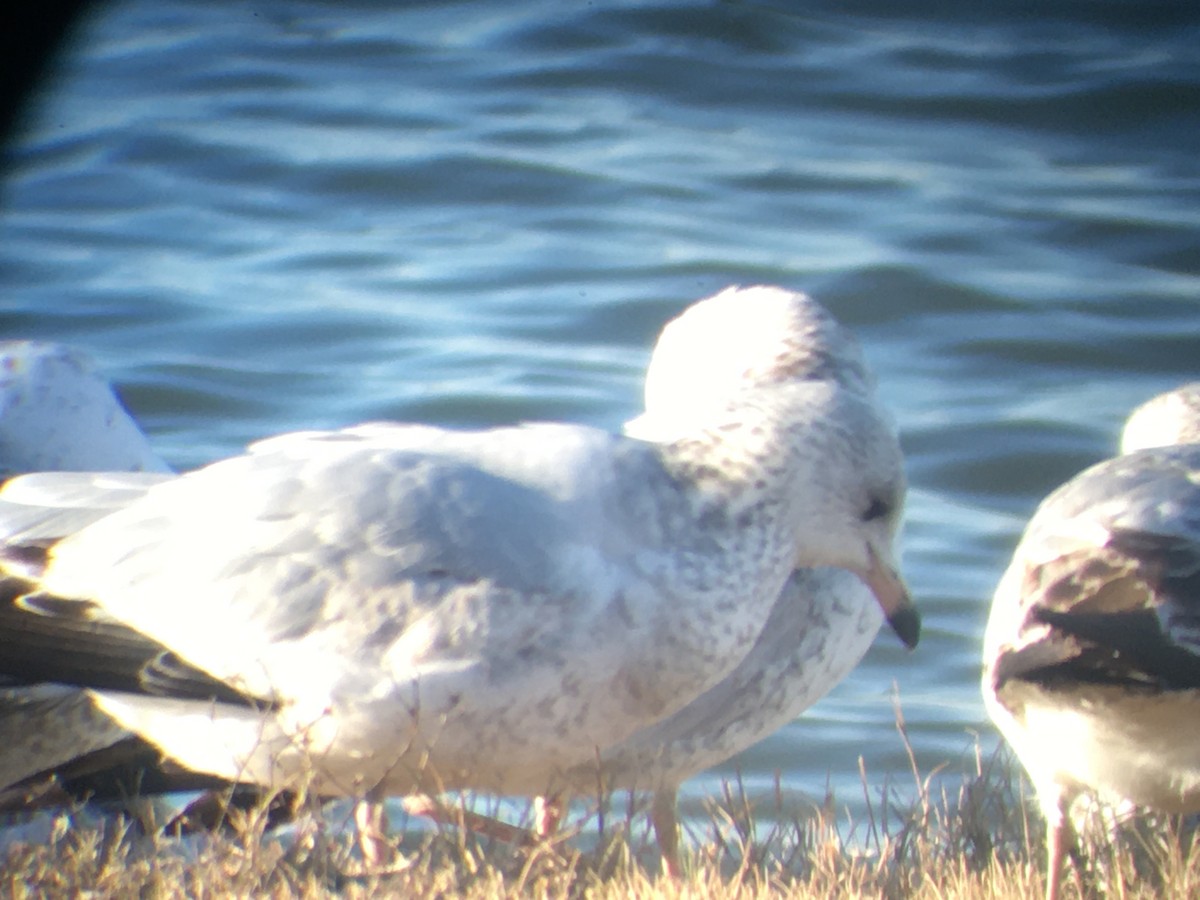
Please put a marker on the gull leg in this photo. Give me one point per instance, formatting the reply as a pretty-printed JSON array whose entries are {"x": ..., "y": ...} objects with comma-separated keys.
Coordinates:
[
  {"x": 371, "y": 822},
  {"x": 666, "y": 829},
  {"x": 1060, "y": 837},
  {"x": 1054, "y": 858},
  {"x": 429, "y": 808},
  {"x": 380, "y": 856},
  {"x": 547, "y": 814}
]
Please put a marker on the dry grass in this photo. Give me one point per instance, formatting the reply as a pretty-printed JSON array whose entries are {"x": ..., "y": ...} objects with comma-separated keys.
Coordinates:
[{"x": 983, "y": 839}]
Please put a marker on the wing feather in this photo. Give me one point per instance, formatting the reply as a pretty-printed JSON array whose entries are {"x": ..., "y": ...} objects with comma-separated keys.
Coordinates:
[{"x": 1107, "y": 579}]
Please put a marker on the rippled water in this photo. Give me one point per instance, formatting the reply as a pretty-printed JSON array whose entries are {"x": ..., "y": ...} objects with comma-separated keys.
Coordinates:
[{"x": 295, "y": 214}]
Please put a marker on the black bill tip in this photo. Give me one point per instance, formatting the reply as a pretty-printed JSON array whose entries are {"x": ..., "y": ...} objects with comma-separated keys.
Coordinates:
[{"x": 906, "y": 622}]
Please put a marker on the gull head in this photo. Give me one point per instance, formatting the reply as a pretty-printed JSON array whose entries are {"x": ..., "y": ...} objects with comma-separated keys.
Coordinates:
[
  {"x": 789, "y": 389},
  {"x": 1164, "y": 421},
  {"x": 849, "y": 500},
  {"x": 741, "y": 339}
]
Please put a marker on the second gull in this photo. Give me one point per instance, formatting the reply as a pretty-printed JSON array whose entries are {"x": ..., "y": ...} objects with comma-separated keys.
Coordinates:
[{"x": 1092, "y": 649}]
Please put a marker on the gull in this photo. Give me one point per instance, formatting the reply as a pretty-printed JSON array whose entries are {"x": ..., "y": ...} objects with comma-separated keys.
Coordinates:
[
  {"x": 1092, "y": 649},
  {"x": 391, "y": 609},
  {"x": 58, "y": 414},
  {"x": 820, "y": 625}
]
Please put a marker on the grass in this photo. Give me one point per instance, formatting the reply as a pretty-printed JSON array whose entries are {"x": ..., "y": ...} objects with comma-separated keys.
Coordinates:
[{"x": 919, "y": 839}]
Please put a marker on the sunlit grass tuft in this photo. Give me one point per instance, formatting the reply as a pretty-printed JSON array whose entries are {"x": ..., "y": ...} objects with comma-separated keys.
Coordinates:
[{"x": 919, "y": 838}]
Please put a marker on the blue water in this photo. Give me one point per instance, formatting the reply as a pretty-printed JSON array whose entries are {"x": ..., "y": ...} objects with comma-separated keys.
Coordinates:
[{"x": 300, "y": 214}]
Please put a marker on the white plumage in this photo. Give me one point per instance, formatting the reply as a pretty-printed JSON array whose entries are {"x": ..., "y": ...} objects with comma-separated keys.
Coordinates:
[
  {"x": 821, "y": 624},
  {"x": 398, "y": 608},
  {"x": 57, "y": 414}
]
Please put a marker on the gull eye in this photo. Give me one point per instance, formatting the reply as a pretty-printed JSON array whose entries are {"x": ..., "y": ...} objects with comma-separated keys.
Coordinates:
[{"x": 879, "y": 509}]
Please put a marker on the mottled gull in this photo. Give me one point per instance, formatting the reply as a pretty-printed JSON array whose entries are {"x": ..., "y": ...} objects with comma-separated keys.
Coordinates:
[
  {"x": 1092, "y": 650},
  {"x": 820, "y": 625},
  {"x": 398, "y": 608}
]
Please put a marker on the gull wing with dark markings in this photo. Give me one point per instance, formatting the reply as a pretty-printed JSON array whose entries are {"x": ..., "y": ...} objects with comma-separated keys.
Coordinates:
[
  {"x": 46, "y": 639},
  {"x": 127, "y": 768},
  {"x": 48, "y": 648},
  {"x": 1116, "y": 600}
]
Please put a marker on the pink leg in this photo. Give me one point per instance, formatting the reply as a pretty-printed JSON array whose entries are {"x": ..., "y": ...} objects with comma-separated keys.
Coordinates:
[
  {"x": 370, "y": 818},
  {"x": 430, "y": 808},
  {"x": 547, "y": 813},
  {"x": 1054, "y": 857},
  {"x": 1055, "y": 800}
]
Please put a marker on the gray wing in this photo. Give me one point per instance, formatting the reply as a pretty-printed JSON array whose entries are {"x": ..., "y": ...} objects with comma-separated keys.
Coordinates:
[
  {"x": 43, "y": 508},
  {"x": 509, "y": 578},
  {"x": 325, "y": 551},
  {"x": 61, "y": 749}
]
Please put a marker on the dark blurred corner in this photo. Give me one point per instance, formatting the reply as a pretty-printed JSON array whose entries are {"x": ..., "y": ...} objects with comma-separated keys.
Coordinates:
[{"x": 31, "y": 33}]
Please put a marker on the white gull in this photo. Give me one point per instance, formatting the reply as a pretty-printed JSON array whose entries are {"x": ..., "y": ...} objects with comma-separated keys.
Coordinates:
[
  {"x": 820, "y": 625},
  {"x": 1092, "y": 650},
  {"x": 58, "y": 415},
  {"x": 503, "y": 604}
]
